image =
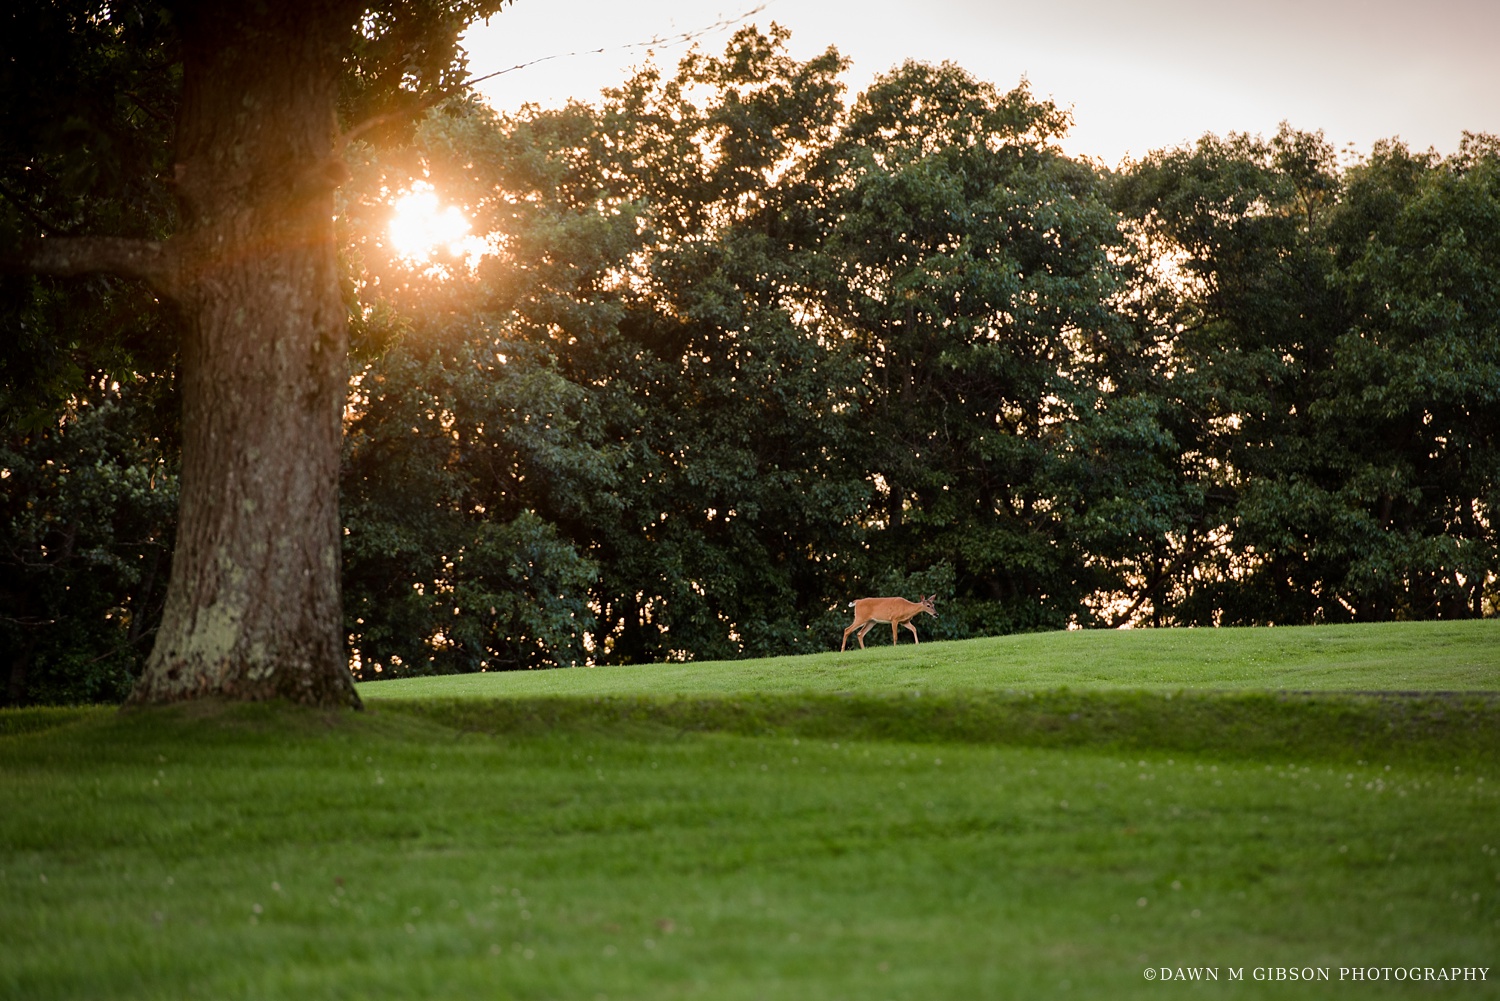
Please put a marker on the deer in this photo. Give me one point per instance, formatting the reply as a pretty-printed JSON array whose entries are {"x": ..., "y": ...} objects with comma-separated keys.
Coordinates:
[{"x": 896, "y": 611}]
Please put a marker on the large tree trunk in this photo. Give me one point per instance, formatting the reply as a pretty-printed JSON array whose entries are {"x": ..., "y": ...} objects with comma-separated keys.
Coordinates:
[{"x": 253, "y": 607}]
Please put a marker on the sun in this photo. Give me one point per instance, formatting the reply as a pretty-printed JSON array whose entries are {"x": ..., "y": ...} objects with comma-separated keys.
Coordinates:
[{"x": 420, "y": 226}]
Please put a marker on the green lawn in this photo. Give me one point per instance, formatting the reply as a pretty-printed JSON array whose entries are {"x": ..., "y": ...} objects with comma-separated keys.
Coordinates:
[
  {"x": 1397, "y": 656},
  {"x": 673, "y": 844}
]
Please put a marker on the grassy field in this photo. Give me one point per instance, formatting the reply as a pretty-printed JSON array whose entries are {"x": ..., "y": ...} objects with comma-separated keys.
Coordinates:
[{"x": 1001, "y": 840}]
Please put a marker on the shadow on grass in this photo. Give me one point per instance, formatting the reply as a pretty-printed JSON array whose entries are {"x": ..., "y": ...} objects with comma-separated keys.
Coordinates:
[
  {"x": 214, "y": 721},
  {"x": 1447, "y": 727}
]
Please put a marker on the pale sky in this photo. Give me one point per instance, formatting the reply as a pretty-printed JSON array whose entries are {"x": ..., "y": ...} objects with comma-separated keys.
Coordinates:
[{"x": 1137, "y": 74}]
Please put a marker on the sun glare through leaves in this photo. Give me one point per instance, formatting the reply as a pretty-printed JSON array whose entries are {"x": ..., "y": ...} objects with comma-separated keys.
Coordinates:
[{"x": 422, "y": 227}]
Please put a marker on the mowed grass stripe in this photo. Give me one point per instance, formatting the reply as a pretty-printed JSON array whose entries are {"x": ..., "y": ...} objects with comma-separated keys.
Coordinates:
[
  {"x": 1396, "y": 656},
  {"x": 1452, "y": 728},
  {"x": 265, "y": 852}
]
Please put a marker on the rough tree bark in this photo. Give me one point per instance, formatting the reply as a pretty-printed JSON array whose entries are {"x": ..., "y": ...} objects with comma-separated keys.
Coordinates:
[{"x": 253, "y": 607}]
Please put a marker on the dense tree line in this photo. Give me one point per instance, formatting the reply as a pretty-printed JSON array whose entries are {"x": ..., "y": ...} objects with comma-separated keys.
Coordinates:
[{"x": 744, "y": 349}]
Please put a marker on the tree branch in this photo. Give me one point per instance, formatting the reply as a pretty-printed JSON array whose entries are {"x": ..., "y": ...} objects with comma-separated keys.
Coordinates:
[
  {"x": 21, "y": 205},
  {"x": 425, "y": 104},
  {"x": 153, "y": 261},
  {"x": 655, "y": 42}
]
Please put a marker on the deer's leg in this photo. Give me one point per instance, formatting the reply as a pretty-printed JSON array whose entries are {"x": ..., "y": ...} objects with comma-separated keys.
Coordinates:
[
  {"x": 914, "y": 637},
  {"x": 846, "y": 635},
  {"x": 861, "y": 634}
]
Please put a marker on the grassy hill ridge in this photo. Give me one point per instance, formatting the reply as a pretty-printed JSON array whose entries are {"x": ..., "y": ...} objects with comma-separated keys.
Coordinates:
[{"x": 1395, "y": 656}]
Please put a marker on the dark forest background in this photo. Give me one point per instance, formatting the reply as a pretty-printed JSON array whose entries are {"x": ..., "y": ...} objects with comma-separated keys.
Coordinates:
[{"x": 748, "y": 348}]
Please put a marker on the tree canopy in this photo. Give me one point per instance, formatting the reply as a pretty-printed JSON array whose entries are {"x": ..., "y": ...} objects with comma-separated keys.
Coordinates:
[{"x": 743, "y": 348}]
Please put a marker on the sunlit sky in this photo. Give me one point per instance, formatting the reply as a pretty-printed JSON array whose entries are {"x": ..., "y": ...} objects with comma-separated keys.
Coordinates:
[{"x": 1138, "y": 74}]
